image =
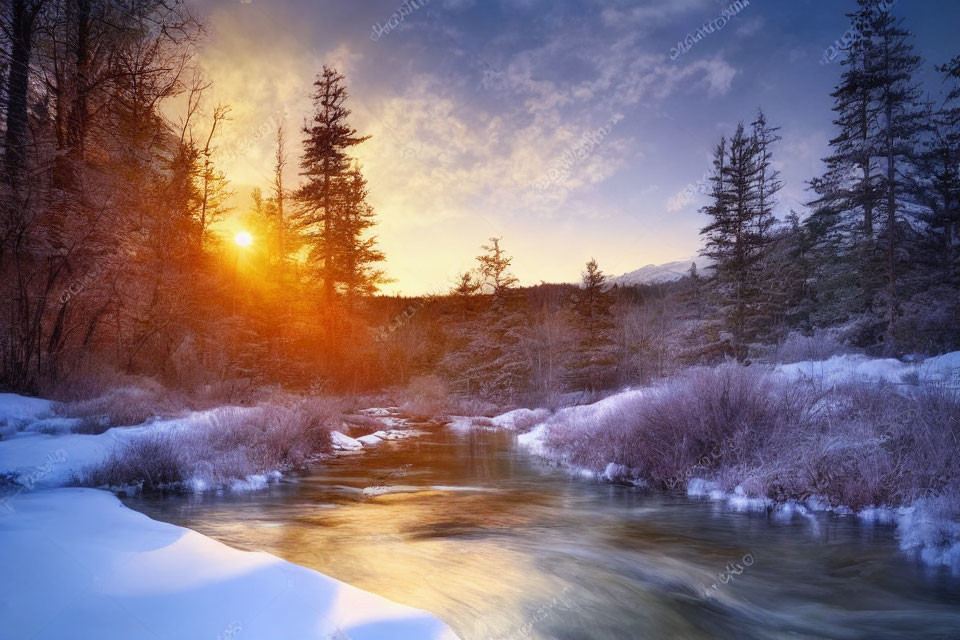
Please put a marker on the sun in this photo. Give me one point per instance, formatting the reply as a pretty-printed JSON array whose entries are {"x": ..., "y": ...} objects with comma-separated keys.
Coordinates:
[{"x": 243, "y": 239}]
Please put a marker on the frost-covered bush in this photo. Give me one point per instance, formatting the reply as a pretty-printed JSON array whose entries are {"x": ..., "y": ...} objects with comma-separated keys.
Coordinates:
[
  {"x": 821, "y": 345},
  {"x": 857, "y": 445},
  {"x": 426, "y": 398},
  {"x": 154, "y": 461},
  {"x": 705, "y": 418},
  {"x": 231, "y": 443},
  {"x": 123, "y": 406}
]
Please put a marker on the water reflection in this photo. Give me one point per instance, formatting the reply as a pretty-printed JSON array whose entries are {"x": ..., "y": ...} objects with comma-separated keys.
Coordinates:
[{"x": 464, "y": 526}]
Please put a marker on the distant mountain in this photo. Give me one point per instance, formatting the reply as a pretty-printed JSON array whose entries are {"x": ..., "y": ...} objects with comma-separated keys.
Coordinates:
[{"x": 660, "y": 273}]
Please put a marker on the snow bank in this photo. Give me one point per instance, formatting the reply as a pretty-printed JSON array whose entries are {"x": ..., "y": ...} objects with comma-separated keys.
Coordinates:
[
  {"x": 78, "y": 564},
  {"x": 534, "y": 440},
  {"x": 944, "y": 369},
  {"x": 16, "y": 412},
  {"x": 377, "y": 437},
  {"x": 520, "y": 419},
  {"x": 930, "y": 528},
  {"x": 847, "y": 368}
]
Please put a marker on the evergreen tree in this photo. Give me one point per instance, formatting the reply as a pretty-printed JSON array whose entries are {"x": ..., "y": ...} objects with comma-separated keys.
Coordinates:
[
  {"x": 325, "y": 167},
  {"x": 494, "y": 362},
  {"x": 899, "y": 127},
  {"x": 356, "y": 250},
  {"x": 861, "y": 222},
  {"x": 737, "y": 240},
  {"x": 593, "y": 366}
]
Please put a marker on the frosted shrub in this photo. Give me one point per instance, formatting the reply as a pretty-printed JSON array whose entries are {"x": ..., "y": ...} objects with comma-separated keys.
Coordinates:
[
  {"x": 155, "y": 461},
  {"x": 231, "y": 443},
  {"x": 798, "y": 347},
  {"x": 857, "y": 445},
  {"x": 425, "y": 398},
  {"x": 124, "y": 406}
]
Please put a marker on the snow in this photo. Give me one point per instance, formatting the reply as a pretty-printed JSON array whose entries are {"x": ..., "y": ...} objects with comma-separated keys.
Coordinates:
[
  {"x": 254, "y": 482},
  {"x": 16, "y": 412},
  {"x": 343, "y": 442},
  {"x": 18, "y": 408},
  {"x": 845, "y": 368},
  {"x": 377, "y": 437},
  {"x": 878, "y": 515},
  {"x": 534, "y": 440},
  {"x": 660, "y": 273},
  {"x": 930, "y": 528},
  {"x": 77, "y": 563},
  {"x": 623, "y": 474},
  {"x": 380, "y": 412},
  {"x": 944, "y": 369},
  {"x": 461, "y": 423},
  {"x": 520, "y": 419}
]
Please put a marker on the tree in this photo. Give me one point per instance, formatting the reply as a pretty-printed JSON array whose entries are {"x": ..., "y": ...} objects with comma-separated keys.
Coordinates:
[
  {"x": 357, "y": 251},
  {"x": 19, "y": 25},
  {"x": 493, "y": 362},
  {"x": 325, "y": 167},
  {"x": 900, "y": 124},
  {"x": 494, "y": 269},
  {"x": 278, "y": 200},
  {"x": 594, "y": 364},
  {"x": 737, "y": 240},
  {"x": 213, "y": 189}
]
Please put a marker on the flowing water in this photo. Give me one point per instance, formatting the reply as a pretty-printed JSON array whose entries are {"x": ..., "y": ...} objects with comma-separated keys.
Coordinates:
[{"x": 468, "y": 527}]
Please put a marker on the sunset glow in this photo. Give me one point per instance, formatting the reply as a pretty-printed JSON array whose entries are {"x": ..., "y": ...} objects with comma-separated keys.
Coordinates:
[{"x": 243, "y": 239}]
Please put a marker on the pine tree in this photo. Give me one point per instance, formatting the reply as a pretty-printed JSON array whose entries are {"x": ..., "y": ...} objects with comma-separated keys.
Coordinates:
[
  {"x": 847, "y": 195},
  {"x": 494, "y": 363},
  {"x": 768, "y": 177},
  {"x": 860, "y": 225},
  {"x": 737, "y": 239},
  {"x": 900, "y": 125},
  {"x": 325, "y": 167},
  {"x": 356, "y": 250},
  {"x": 593, "y": 366}
]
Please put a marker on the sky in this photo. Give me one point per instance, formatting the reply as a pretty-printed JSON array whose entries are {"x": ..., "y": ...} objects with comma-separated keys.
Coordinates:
[{"x": 569, "y": 128}]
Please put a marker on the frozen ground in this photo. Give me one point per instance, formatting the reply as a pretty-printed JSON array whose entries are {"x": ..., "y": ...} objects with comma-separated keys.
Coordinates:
[{"x": 78, "y": 564}]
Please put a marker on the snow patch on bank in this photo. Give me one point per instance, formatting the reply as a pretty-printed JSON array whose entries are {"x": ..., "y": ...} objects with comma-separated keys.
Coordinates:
[
  {"x": 28, "y": 452},
  {"x": 77, "y": 563},
  {"x": 944, "y": 369}
]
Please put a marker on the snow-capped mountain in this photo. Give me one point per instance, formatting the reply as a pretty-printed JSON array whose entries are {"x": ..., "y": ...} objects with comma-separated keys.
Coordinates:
[{"x": 660, "y": 273}]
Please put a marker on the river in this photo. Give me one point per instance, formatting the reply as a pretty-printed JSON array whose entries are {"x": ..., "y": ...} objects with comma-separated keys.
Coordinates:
[{"x": 468, "y": 527}]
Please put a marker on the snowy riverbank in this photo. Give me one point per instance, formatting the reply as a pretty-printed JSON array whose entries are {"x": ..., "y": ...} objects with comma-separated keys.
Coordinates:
[
  {"x": 845, "y": 437},
  {"x": 77, "y": 563}
]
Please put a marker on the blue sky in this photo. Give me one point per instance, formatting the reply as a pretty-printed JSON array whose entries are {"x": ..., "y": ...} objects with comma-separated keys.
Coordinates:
[{"x": 564, "y": 127}]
